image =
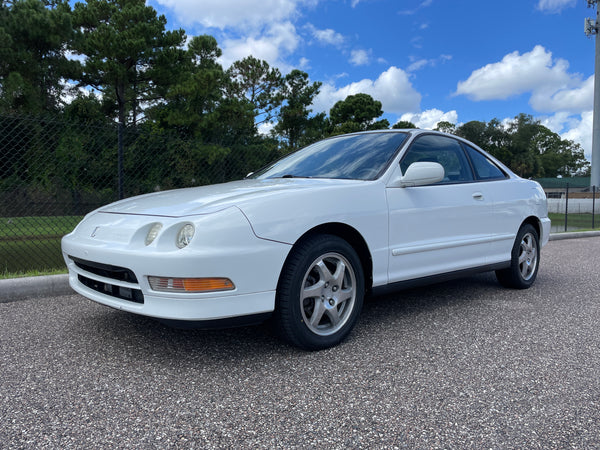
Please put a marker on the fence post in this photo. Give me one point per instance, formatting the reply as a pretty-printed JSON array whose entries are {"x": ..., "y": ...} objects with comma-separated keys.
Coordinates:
[
  {"x": 567, "y": 207},
  {"x": 120, "y": 160}
]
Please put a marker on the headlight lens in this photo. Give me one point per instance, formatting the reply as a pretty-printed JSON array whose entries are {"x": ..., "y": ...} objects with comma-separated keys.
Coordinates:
[
  {"x": 153, "y": 233},
  {"x": 185, "y": 235}
]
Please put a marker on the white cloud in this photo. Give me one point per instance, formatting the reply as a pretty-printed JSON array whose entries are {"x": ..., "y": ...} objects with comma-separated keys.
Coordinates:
[
  {"x": 410, "y": 12},
  {"x": 429, "y": 119},
  {"x": 577, "y": 99},
  {"x": 232, "y": 13},
  {"x": 279, "y": 40},
  {"x": 551, "y": 86},
  {"x": 417, "y": 65},
  {"x": 70, "y": 91},
  {"x": 304, "y": 64},
  {"x": 327, "y": 36},
  {"x": 555, "y": 6},
  {"x": 581, "y": 132},
  {"x": 360, "y": 57},
  {"x": 422, "y": 63},
  {"x": 556, "y": 122},
  {"x": 72, "y": 56},
  {"x": 392, "y": 88},
  {"x": 266, "y": 128},
  {"x": 514, "y": 75},
  {"x": 577, "y": 128},
  {"x": 417, "y": 42}
]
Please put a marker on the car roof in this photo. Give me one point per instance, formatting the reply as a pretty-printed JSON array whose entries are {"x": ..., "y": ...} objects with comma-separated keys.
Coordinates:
[{"x": 411, "y": 131}]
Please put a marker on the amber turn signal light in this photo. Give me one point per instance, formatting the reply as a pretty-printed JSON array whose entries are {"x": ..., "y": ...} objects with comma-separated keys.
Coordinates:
[{"x": 165, "y": 284}]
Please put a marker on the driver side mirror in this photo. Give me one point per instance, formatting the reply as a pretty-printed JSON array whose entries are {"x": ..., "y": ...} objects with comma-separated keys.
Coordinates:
[{"x": 420, "y": 174}]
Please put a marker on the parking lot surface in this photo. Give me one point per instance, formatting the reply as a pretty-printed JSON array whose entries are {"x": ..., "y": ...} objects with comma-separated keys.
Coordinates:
[{"x": 464, "y": 364}]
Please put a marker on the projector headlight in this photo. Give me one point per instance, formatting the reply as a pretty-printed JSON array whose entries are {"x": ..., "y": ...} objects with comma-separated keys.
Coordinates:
[
  {"x": 152, "y": 233},
  {"x": 185, "y": 235}
]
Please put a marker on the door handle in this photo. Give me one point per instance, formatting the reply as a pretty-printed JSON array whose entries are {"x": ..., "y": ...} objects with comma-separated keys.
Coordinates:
[{"x": 478, "y": 196}]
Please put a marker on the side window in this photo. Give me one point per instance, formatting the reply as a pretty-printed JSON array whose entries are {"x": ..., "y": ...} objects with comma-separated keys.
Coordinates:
[
  {"x": 484, "y": 168},
  {"x": 446, "y": 151}
]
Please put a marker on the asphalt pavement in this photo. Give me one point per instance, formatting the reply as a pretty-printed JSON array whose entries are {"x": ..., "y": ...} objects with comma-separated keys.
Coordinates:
[{"x": 464, "y": 364}]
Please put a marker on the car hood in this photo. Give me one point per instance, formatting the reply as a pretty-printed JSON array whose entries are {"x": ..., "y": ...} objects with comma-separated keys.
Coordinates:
[{"x": 208, "y": 199}]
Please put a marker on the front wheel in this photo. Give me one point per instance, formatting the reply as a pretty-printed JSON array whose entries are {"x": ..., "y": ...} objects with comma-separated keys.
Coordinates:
[
  {"x": 320, "y": 293},
  {"x": 525, "y": 257}
]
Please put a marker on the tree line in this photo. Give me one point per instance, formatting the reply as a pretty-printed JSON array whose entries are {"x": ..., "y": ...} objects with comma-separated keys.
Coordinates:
[{"x": 184, "y": 118}]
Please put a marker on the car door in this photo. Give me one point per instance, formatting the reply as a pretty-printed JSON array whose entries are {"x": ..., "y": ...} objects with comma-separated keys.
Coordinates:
[
  {"x": 508, "y": 198},
  {"x": 443, "y": 227}
]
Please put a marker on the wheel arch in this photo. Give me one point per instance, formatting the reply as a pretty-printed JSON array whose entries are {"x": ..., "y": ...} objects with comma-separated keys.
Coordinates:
[
  {"x": 535, "y": 223},
  {"x": 352, "y": 236}
]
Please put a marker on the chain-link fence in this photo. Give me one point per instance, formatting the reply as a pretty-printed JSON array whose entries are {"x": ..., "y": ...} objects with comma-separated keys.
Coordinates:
[
  {"x": 574, "y": 207},
  {"x": 52, "y": 172}
]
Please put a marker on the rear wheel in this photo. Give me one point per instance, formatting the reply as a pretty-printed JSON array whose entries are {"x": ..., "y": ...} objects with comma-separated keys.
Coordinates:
[
  {"x": 525, "y": 258},
  {"x": 320, "y": 293}
]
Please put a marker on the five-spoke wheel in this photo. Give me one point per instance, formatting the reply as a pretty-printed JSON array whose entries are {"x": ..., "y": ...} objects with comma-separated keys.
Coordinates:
[
  {"x": 327, "y": 294},
  {"x": 524, "y": 260},
  {"x": 528, "y": 256},
  {"x": 320, "y": 293}
]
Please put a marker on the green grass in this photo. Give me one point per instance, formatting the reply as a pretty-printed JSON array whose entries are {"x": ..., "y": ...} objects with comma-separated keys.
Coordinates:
[
  {"x": 31, "y": 245},
  {"x": 579, "y": 221},
  {"x": 30, "y": 254},
  {"x": 19, "y": 227},
  {"x": 32, "y": 273}
]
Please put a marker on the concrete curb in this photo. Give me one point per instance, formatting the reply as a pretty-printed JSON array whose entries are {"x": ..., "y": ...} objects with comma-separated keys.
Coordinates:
[
  {"x": 573, "y": 235},
  {"x": 15, "y": 289}
]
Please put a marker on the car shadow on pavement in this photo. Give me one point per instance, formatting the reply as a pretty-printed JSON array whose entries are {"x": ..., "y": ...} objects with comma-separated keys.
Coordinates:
[{"x": 149, "y": 338}]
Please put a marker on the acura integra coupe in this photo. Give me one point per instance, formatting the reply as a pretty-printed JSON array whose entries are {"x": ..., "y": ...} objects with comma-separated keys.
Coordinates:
[{"x": 306, "y": 238}]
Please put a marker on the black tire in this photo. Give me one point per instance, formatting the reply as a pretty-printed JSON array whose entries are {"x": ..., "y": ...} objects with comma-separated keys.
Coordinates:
[
  {"x": 525, "y": 259},
  {"x": 320, "y": 293}
]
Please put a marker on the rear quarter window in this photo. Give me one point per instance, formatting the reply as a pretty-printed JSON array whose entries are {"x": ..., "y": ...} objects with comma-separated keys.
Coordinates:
[{"x": 484, "y": 168}]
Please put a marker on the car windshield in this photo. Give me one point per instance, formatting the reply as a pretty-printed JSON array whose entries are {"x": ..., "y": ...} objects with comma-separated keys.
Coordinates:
[{"x": 353, "y": 157}]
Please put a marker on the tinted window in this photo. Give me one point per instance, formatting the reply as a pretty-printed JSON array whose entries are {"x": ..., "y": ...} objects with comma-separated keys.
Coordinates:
[
  {"x": 358, "y": 156},
  {"x": 484, "y": 168},
  {"x": 446, "y": 151}
]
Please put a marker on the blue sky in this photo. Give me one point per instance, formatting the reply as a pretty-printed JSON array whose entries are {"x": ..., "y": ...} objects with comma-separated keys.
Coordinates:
[{"x": 425, "y": 60}]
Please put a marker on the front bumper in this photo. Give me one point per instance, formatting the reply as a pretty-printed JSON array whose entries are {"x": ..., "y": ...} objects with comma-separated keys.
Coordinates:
[
  {"x": 188, "y": 309},
  {"x": 545, "y": 227},
  {"x": 112, "y": 268}
]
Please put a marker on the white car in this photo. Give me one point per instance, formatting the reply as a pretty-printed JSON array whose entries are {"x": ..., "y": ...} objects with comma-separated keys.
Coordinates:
[{"x": 306, "y": 238}]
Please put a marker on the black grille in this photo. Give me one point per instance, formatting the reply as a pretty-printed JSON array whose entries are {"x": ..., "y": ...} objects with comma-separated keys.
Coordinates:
[
  {"x": 106, "y": 270},
  {"x": 132, "y": 295}
]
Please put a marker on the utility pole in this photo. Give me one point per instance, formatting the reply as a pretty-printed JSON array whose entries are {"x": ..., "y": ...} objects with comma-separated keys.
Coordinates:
[{"x": 593, "y": 27}]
